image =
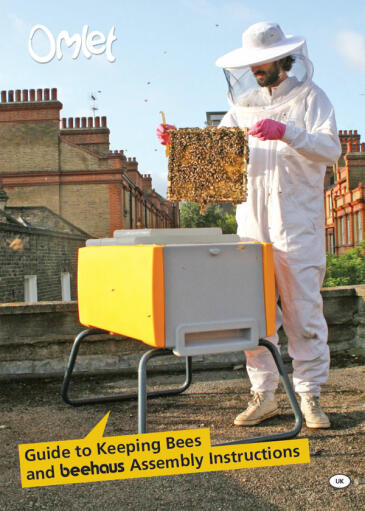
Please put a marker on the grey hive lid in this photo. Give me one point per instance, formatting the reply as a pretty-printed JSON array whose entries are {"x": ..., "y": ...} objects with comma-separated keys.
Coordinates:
[{"x": 167, "y": 237}]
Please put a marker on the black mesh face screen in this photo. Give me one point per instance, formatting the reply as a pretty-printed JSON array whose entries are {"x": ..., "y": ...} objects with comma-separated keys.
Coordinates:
[
  {"x": 244, "y": 90},
  {"x": 240, "y": 81}
]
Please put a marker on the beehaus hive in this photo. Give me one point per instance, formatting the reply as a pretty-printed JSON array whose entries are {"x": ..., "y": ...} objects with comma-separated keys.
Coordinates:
[{"x": 195, "y": 291}]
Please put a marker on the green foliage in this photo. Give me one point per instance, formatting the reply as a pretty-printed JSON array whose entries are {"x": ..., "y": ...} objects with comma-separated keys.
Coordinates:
[
  {"x": 347, "y": 269},
  {"x": 215, "y": 217}
]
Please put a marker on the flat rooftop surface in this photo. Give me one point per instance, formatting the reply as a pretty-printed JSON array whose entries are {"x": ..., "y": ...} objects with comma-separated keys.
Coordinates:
[{"x": 33, "y": 411}]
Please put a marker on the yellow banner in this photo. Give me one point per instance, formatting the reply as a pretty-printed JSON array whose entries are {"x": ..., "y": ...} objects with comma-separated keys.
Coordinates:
[{"x": 98, "y": 458}]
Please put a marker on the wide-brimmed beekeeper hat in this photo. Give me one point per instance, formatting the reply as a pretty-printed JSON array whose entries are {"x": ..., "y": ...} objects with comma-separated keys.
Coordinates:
[{"x": 261, "y": 43}]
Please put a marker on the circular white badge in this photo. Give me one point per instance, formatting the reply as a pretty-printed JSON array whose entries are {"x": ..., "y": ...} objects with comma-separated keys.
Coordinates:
[{"x": 339, "y": 481}]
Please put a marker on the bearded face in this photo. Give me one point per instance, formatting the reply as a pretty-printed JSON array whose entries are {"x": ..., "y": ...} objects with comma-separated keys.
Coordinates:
[{"x": 267, "y": 75}]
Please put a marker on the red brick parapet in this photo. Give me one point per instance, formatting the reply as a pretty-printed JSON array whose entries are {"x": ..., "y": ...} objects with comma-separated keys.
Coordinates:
[
  {"x": 28, "y": 95},
  {"x": 84, "y": 123},
  {"x": 29, "y": 105}
]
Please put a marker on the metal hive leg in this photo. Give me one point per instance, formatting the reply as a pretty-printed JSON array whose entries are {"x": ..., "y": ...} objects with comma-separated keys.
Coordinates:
[
  {"x": 142, "y": 385},
  {"x": 293, "y": 403},
  {"x": 122, "y": 396}
]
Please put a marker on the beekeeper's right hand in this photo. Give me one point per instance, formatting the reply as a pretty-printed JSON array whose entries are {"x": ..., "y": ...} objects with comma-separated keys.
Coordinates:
[{"x": 163, "y": 134}]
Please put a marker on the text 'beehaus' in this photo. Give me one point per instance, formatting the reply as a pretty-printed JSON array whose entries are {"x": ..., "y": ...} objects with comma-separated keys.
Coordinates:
[{"x": 93, "y": 43}]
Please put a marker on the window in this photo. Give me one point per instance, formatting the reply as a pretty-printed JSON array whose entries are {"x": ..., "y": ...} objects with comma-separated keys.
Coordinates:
[
  {"x": 356, "y": 234},
  {"x": 30, "y": 288},
  {"x": 357, "y": 228},
  {"x": 330, "y": 243},
  {"x": 359, "y": 220},
  {"x": 348, "y": 237},
  {"x": 66, "y": 286},
  {"x": 340, "y": 230},
  {"x": 328, "y": 210}
]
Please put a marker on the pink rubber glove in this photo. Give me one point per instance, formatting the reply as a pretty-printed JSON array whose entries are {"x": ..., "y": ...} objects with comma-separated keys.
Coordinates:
[
  {"x": 163, "y": 134},
  {"x": 267, "y": 129}
]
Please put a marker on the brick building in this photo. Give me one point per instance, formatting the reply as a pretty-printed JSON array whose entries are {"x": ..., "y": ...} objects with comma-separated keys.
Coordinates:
[
  {"x": 68, "y": 167},
  {"x": 345, "y": 196},
  {"x": 38, "y": 253}
]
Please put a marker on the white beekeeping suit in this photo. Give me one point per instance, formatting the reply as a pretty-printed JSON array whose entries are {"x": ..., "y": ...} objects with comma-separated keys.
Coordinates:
[{"x": 285, "y": 203}]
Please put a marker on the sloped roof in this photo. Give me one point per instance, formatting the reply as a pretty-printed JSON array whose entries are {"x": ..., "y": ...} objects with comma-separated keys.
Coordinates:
[{"x": 40, "y": 217}]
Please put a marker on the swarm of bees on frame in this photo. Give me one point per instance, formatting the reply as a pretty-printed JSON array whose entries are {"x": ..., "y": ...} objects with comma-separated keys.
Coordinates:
[{"x": 208, "y": 165}]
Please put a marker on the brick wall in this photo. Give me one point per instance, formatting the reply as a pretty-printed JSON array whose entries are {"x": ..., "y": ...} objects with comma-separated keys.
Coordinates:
[
  {"x": 48, "y": 195},
  {"x": 28, "y": 146},
  {"x": 87, "y": 206},
  {"x": 42, "y": 253},
  {"x": 74, "y": 159},
  {"x": 115, "y": 207}
]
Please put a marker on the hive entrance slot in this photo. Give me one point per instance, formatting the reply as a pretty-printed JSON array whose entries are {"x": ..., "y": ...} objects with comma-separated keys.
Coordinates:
[{"x": 216, "y": 337}]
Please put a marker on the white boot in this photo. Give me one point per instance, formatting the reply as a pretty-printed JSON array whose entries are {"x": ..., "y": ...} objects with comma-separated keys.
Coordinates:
[
  {"x": 313, "y": 414},
  {"x": 262, "y": 406}
]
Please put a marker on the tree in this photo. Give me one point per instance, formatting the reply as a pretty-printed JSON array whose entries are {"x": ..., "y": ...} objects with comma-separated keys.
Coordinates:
[
  {"x": 347, "y": 269},
  {"x": 190, "y": 216}
]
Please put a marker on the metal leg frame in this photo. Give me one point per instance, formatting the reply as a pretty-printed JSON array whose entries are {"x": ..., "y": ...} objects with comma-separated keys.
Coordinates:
[
  {"x": 125, "y": 395},
  {"x": 142, "y": 393},
  {"x": 293, "y": 402}
]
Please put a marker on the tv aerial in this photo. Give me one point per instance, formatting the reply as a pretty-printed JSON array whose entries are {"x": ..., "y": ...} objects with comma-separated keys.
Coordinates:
[{"x": 94, "y": 96}]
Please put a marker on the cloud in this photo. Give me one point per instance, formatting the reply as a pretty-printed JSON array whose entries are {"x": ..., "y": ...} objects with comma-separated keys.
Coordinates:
[{"x": 351, "y": 46}]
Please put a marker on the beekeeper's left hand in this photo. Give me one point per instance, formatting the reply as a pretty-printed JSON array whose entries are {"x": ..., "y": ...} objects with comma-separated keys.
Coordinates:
[{"x": 267, "y": 129}]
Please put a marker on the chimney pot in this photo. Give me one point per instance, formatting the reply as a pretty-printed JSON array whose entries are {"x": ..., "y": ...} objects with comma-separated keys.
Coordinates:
[
  {"x": 18, "y": 94},
  {"x": 77, "y": 122},
  {"x": 54, "y": 94},
  {"x": 103, "y": 122},
  {"x": 90, "y": 122},
  {"x": 25, "y": 95},
  {"x": 11, "y": 96},
  {"x": 349, "y": 147},
  {"x": 32, "y": 94},
  {"x": 46, "y": 94},
  {"x": 3, "y": 96},
  {"x": 64, "y": 124},
  {"x": 97, "y": 122},
  {"x": 83, "y": 122},
  {"x": 39, "y": 94},
  {"x": 70, "y": 122}
]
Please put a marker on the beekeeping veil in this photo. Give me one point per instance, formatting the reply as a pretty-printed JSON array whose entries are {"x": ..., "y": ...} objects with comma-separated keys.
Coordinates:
[{"x": 263, "y": 43}]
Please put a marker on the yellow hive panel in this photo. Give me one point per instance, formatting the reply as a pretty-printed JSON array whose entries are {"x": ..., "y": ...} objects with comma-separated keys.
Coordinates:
[
  {"x": 121, "y": 290},
  {"x": 269, "y": 287}
]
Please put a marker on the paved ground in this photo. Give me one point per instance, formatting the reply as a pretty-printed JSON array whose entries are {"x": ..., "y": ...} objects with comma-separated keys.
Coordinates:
[{"x": 32, "y": 411}]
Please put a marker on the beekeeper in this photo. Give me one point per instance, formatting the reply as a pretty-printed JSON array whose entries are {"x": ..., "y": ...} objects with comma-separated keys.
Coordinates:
[{"x": 293, "y": 137}]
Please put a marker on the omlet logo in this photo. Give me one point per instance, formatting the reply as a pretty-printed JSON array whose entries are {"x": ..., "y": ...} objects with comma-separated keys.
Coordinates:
[
  {"x": 93, "y": 43},
  {"x": 339, "y": 481}
]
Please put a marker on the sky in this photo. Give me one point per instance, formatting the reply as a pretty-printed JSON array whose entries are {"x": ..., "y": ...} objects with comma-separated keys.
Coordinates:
[{"x": 165, "y": 56}]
